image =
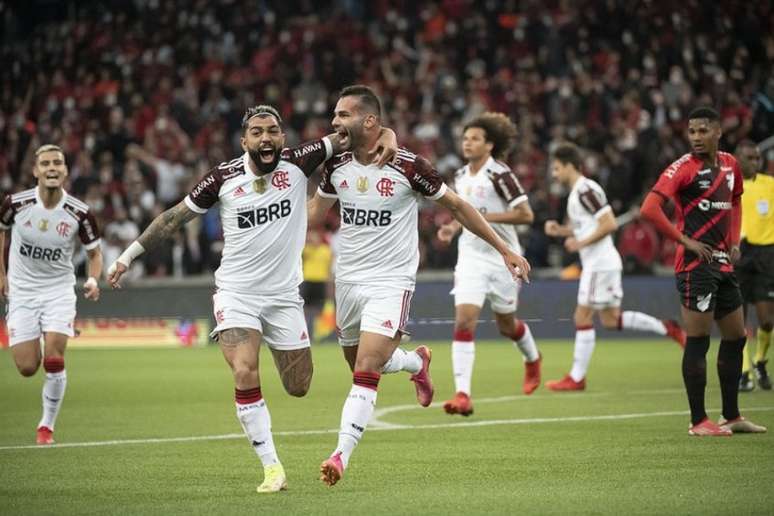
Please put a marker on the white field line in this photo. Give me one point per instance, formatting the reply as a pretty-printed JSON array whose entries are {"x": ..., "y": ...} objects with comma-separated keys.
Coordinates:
[{"x": 388, "y": 426}]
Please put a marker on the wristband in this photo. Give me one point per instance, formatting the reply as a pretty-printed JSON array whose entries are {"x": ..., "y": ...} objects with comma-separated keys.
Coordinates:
[{"x": 134, "y": 250}]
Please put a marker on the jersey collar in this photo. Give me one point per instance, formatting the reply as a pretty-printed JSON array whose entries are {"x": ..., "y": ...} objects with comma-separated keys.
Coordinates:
[{"x": 58, "y": 205}]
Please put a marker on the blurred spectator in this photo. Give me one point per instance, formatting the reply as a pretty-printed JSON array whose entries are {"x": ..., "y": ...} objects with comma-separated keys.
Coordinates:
[{"x": 143, "y": 96}]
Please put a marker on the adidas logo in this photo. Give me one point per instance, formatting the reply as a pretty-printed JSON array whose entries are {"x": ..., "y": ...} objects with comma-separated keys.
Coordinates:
[
  {"x": 304, "y": 336},
  {"x": 343, "y": 184},
  {"x": 387, "y": 324},
  {"x": 239, "y": 192},
  {"x": 28, "y": 224}
]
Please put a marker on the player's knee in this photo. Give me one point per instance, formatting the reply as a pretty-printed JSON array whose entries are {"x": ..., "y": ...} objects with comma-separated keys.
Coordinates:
[
  {"x": 244, "y": 373},
  {"x": 28, "y": 369}
]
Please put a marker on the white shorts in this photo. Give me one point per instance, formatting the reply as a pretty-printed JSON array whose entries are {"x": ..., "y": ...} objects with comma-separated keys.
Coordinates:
[
  {"x": 473, "y": 285},
  {"x": 600, "y": 289},
  {"x": 280, "y": 318},
  {"x": 29, "y": 317},
  {"x": 375, "y": 309}
]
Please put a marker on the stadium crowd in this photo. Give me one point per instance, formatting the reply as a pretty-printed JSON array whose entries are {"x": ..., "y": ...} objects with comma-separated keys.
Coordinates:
[{"x": 146, "y": 96}]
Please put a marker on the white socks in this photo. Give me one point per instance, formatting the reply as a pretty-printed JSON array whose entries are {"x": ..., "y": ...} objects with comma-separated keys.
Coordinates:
[
  {"x": 585, "y": 340},
  {"x": 53, "y": 393},
  {"x": 356, "y": 413},
  {"x": 463, "y": 357},
  {"x": 526, "y": 343},
  {"x": 642, "y": 322},
  {"x": 256, "y": 422},
  {"x": 402, "y": 360}
]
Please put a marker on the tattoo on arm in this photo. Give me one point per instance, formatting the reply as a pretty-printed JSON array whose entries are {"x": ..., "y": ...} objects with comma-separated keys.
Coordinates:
[{"x": 166, "y": 225}]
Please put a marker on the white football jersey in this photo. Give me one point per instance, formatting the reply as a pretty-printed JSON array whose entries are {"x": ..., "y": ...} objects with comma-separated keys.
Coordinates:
[
  {"x": 378, "y": 238},
  {"x": 586, "y": 203},
  {"x": 493, "y": 189},
  {"x": 263, "y": 218},
  {"x": 43, "y": 240}
]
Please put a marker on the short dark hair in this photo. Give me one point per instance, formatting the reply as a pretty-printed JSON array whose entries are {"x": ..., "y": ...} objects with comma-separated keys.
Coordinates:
[
  {"x": 261, "y": 111},
  {"x": 745, "y": 144},
  {"x": 367, "y": 97},
  {"x": 500, "y": 131},
  {"x": 704, "y": 112},
  {"x": 569, "y": 153}
]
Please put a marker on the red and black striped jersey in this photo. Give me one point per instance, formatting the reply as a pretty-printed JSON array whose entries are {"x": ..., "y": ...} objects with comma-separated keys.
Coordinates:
[{"x": 705, "y": 196}]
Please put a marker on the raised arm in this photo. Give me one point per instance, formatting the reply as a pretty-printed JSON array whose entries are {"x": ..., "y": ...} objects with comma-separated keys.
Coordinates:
[
  {"x": 163, "y": 227},
  {"x": 471, "y": 219}
]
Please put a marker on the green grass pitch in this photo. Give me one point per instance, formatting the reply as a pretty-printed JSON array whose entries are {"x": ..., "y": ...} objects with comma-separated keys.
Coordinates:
[{"x": 621, "y": 447}]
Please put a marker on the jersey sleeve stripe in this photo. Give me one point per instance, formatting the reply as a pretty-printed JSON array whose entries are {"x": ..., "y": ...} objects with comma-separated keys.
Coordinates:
[
  {"x": 605, "y": 209},
  {"x": 328, "y": 147},
  {"x": 326, "y": 194},
  {"x": 518, "y": 200},
  {"x": 440, "y": 193},
  {"x": 192, "y": 206},
  {"x": 93, "y": 245}
]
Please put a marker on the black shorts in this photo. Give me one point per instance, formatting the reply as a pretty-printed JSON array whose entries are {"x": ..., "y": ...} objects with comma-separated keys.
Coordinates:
[
  {"x": 707, "y": 289},
  {"x": 313, "y": 293},
  {"x": 756, "y": 273}
]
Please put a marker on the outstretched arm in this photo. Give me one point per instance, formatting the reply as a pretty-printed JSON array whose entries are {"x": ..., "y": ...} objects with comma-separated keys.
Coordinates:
[
  {"x": 163, "y": 227},
  {"x": 471, "y": 219},
  {"x": 383, "y": 151},
  {"x": 3, "y": 278},
  {"x": 519, "y": 214}
]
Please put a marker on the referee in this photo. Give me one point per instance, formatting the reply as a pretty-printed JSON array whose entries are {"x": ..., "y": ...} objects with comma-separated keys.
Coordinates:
[{"x": 755, "y": 268}]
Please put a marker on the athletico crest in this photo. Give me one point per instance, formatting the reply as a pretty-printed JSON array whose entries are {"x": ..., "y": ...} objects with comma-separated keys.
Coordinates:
[
  {"x": 259, "y": 185},
  {"x": 362, "y": 184}
]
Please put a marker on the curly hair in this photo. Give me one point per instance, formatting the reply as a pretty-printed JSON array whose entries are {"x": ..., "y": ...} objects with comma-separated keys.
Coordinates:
[{"x": 499, "y": 130}]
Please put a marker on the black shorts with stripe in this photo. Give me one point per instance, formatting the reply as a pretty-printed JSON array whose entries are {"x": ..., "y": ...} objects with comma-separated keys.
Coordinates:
[
  {"x": 707, "y": 289},
  {"x": 755, "y": 271}
]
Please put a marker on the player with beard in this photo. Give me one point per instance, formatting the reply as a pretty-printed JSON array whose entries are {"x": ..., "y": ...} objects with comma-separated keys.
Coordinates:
[
  {"x": 262, "y": 197},
  {"x": 378, "y": 255},
  {"x": 45, "y": 223},
  {"x": 706, "y": 186}
]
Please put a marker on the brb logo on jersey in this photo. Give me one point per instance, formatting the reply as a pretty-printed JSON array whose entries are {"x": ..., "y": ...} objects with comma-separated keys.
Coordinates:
[
  {"x": 257, "y": 217},
  {"x": 358, "y": 217},
  {"x": 385, "y": 187},
  {"x": 280, "y": 180},
  {"x": 40, "y": 253}
]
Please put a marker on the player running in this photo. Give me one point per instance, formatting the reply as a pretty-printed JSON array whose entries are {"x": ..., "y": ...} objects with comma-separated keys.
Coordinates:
[
  {"x": 493, "y": 189},
  {"x": 755, "y": 269},
  {"x": 262, "y": 197},
  {"x": 589, "y": 233},
  {"x": 706, "y": 186},
  {"x": 377, "y": 262},
  {"x": 45, "y": 223}
]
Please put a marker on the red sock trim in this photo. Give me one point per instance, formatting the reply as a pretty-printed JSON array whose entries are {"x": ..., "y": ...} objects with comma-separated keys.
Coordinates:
[
  {"x": 584, "y": 327},
  {"x": 247, "y": 396},
  {"x": 53, "y": 364},
  {"x": 463, "y": 335},
  {"x": 366, "y": 379},
  {"x": 520, "y": 330},
  {"x": 620, "y": 321}
]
